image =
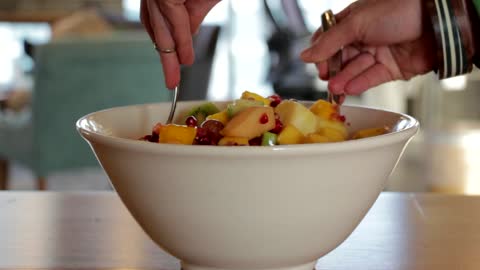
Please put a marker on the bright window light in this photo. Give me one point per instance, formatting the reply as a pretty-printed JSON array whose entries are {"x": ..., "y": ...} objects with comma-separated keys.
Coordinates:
[{"x": 471, "y": 145}]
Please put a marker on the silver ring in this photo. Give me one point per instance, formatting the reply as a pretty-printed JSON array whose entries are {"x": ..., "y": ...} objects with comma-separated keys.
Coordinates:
[{"x": 170, "y": 50}]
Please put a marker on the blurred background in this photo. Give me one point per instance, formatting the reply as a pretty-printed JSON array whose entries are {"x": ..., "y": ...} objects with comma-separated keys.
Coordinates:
[{"x": 60, "y": 60}]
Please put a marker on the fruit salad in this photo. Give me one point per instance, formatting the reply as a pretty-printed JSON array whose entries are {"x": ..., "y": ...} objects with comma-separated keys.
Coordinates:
[{"x": 257, "y": 120}]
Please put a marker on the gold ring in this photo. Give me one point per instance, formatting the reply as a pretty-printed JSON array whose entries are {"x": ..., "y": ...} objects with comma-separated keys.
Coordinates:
[{"x": 172, "y": 50}]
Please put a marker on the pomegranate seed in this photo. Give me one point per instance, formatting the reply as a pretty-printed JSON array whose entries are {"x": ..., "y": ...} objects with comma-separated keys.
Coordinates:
[
  {"x": 191, "y": 121},
  {"x": 275, "y": 100},
  {"x": 341, "y": 118},
  {"x": 255, "y": 141},
  {"x": 278, "y": 127},
  {"x": 263, "y": 118}
]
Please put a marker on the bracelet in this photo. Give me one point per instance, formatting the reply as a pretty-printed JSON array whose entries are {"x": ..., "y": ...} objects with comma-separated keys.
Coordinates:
[{"x": 454, "y": 46}]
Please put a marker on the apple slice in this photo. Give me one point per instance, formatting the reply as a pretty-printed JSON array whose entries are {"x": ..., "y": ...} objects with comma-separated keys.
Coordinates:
[
  {"x": 294, "y": 113},
  {"x": 250, "y": 122}
]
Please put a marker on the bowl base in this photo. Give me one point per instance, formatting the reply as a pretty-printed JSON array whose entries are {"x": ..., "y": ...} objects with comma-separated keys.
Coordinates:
[{"x": 307, "y": 266}]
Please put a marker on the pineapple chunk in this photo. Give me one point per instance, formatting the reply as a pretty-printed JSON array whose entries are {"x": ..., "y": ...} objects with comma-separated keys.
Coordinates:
[
  {"x": 290, "y": 135},
  {"x": 176, "y": 134},
  {"x": 316, "y": 138},
  {"x": 330, "y": 124},
  {"x": 254, "y": 96},
  {"x": 333, "y": 135},
  {"x": 294, "y": 113},
  {"x": 220, "y": 116}
]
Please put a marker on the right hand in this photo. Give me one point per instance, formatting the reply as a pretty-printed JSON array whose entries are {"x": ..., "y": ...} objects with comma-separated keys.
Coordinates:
[
  {"x": 171, "y": 25},
  {"x": 381, "y": 40}
]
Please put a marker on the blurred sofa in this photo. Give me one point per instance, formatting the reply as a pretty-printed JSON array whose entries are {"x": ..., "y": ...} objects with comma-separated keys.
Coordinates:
[{"x": 73, "y": 77}]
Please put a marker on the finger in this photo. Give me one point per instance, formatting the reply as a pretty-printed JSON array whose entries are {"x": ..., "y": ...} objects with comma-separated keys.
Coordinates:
[
  {"x": 164, "y": 40},
  {"x": 348, "y": 53},
  {"x": 145, "y": 19},
  {"x": 373, "y": 76},
  {"x": 198, "y": 10},
  {"x": 348, "y": 10},
  {"x": 178, "y": 18},
  {"x": 354, "y": 68},
  {"x": 316, "y": 34},
  {"x": 322, "y": 68},
  {"x": 328, "y": 43}
]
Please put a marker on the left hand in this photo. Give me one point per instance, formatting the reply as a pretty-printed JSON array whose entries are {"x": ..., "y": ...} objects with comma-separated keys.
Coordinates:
[{"x": 171, "y": 25}]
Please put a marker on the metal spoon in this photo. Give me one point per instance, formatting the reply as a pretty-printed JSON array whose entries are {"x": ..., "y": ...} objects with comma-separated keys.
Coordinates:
[
  {"x": 174, "y": 105},
  {"x": 335, "y": 62}
]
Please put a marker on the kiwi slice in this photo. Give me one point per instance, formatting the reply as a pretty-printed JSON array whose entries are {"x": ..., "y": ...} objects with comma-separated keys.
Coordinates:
[{"x": 240, "y": 104}]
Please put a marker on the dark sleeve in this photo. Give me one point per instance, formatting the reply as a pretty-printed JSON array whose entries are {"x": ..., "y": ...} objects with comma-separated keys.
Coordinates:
[
  {"x": 453, "y": 33},
  {"x": 474, "y": 14}
]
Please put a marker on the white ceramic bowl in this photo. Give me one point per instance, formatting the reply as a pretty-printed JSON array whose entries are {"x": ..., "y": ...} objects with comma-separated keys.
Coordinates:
[{"x": 255, "y": 207}]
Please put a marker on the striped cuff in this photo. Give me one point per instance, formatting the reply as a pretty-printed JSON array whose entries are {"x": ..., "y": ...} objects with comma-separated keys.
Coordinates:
[{"x": 452, "y": 56}]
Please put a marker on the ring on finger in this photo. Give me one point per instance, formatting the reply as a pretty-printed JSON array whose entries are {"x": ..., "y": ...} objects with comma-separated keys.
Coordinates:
[{"x": 167, "y": 50}]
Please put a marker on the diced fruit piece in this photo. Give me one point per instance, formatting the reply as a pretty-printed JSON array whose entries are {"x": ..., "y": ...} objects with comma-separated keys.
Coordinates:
[
  {"x": 250, "y": 122},
  {"x": 324, "y": 109},
  {"x": 330, "y": 124},
  {"x": 191, "y": 121},
  {"x": 369, "y": 132},
  {"x": 333, "y": 135},
  {"x": 290, "y": 135},
  {"x": 316, "y": 138},
  {"x": 241, "y": 104},
  {"x": 253, "y": 96},
  {"x": 209, "y": 132},
  {"x": 278, "y": 126},
  {"x": 296, "y": 114},
  {"x": 233, "y": 141},
  {"x": 201, "y": 111},
  {"x": 269, "y": 139},
  {"x": 176, "y": 134},
  {"x": 220, "y": 116}
]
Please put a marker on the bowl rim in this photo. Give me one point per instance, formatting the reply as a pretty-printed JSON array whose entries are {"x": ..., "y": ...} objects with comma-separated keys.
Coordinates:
[{"x": 228, "y": 151}]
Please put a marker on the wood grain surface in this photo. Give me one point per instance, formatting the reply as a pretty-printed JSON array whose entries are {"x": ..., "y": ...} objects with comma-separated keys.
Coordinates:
[{"x": 93, "y": 230}]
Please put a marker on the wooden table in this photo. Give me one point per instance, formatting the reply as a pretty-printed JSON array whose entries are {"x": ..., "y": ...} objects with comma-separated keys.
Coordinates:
[{"x": 93, "y": 230}]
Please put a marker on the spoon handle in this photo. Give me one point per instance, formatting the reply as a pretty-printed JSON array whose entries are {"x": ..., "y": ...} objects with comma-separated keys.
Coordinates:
[
  {"x": 335, "y": 62},
  {"x": 174, "y": 105}
]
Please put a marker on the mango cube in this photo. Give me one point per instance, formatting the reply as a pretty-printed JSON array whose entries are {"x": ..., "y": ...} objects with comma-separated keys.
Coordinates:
[
  {"x": 369, "y": 132},
  {"x": 176, "y": 134},
  {"x": 323, "y": 109}
]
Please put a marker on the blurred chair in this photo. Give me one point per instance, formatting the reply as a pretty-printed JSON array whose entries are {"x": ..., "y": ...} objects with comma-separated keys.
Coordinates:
[
  {"x": 196, "y": 78},
  {"x": 74, "y": 77},
  {"x": 290, "y": 35}
]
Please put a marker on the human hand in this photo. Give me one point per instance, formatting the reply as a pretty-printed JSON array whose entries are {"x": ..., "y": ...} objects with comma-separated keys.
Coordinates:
[
  {"x": 381, "y": 40},
  {"x": 171, "y": 25}
]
